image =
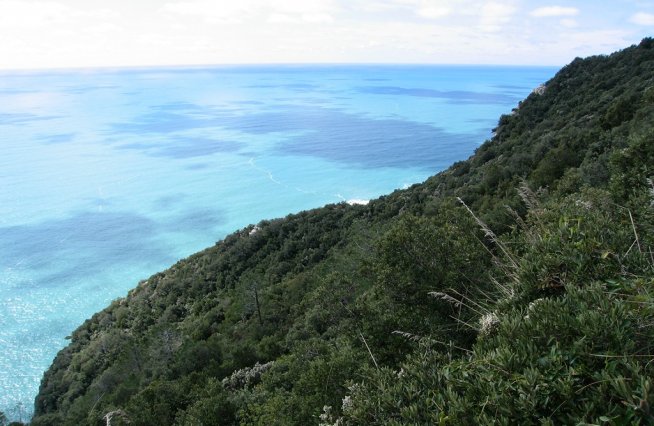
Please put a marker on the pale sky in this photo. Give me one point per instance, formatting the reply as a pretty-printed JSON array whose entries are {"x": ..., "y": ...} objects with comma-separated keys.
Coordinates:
[{"x": 92, "y": 33}]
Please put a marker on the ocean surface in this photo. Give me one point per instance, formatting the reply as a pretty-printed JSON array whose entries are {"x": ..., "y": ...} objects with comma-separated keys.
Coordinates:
[{"x": 109, "y": 176}]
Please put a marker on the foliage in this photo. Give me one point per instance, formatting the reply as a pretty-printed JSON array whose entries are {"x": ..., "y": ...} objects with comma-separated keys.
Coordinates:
[
  {"x": 572, "y": 342},
  {"x": 529, "y": 303}
]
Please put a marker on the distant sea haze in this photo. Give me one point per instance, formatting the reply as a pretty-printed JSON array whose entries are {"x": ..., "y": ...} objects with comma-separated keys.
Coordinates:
[{"x": 107, "y": 177}]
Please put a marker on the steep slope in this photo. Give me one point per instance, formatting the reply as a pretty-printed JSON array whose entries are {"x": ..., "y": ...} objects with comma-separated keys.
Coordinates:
[{"x": 331, "y": 308}]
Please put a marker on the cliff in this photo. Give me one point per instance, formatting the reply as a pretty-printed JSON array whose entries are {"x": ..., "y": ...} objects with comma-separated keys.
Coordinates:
[{"x": 515, "y": 286}]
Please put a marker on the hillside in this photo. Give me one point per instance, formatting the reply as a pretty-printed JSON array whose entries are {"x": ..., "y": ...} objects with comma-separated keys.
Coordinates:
[{"x": 515, "y": 285}]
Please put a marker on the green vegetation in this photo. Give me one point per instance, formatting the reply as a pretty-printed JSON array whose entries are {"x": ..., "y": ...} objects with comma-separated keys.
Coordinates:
[{"x": 514, "y": 287}]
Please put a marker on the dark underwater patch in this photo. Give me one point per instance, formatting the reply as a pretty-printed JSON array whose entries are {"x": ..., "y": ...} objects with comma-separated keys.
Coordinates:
[
  {"x": 452, "y": 96},
  {"x": 329, "y": 133},
  {"x": 360, "y": 140},
  {"x": 195, "y": 220},
  {"x": 92, "y": 240},
  {"x": 20, "y": 118},
  {"x": 161, "y": 122},
  {"x": 512, "y": 87},
  {"x": 57, "y": 139},
  {"x": 184, "y": 147},
  {"x": 197, "y": 166},
  {"x": 169, "y": 202},
  {"x": 297, "y": 87}
]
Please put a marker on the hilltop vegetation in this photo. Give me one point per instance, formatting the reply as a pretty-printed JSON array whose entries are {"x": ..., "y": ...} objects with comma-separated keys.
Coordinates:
[{"x": 516, "y": 285}]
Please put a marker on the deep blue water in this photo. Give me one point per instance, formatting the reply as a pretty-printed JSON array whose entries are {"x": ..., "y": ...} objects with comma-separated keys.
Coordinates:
[{"x": 108, "y": 176}]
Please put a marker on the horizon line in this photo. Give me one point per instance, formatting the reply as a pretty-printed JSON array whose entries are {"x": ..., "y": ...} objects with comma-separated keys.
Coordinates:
[{"x": 91, "y": 68}]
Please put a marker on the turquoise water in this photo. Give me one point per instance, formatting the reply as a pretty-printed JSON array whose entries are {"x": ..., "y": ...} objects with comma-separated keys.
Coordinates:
[{"x": 109, "y": 176}]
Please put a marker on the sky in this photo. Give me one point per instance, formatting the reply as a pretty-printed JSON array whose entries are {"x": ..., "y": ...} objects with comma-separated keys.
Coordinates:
[{"x": 37, "y": 34}]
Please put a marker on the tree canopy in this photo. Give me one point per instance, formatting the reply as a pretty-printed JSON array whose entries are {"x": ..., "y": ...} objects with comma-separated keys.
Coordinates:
[{"x": 515, "y": 286}]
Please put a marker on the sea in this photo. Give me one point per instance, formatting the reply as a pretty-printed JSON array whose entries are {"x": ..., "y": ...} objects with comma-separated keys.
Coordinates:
[{"x": 110, "y": 175}]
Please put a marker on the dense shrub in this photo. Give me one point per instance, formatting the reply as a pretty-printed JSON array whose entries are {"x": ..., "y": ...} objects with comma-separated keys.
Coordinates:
[{"x": 530, "y": 304}]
